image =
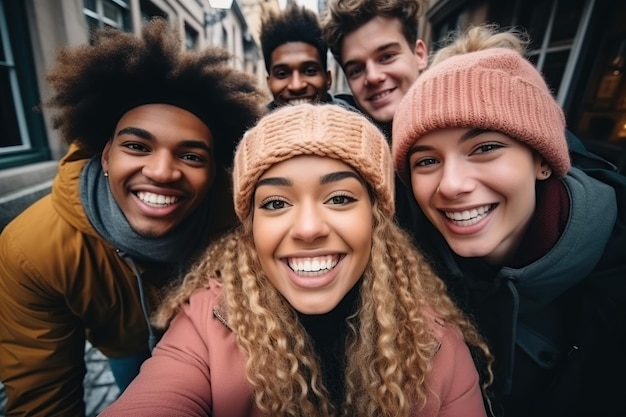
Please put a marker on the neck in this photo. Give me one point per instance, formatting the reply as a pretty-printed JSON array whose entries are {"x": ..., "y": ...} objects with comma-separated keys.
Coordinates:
[{"x": 328, "y": 333}]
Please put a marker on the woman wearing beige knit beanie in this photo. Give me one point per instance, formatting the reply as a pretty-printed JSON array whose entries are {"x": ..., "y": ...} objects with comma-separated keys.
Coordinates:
[
  {"x": 531, "y": 247},
  {"x": 317, "y": 305}
]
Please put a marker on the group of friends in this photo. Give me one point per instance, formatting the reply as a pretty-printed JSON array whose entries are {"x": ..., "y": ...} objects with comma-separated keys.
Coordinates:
[{"x": 435, "y": 243}]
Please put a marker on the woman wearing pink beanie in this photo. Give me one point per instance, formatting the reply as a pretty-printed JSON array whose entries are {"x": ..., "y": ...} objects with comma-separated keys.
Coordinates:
[
  {"x": 316, "y": 305},
  {"x": 530, "y": 246}
]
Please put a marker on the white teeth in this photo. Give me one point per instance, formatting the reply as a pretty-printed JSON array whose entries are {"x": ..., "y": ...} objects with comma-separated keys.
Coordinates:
[
  {"x": 469, "y": 217},
  {"x": 381, "y": 95},
  {"x": 156, "y": 199},
  {"x": 300, "y": 101},
  {"x": 317, "y": 264}
]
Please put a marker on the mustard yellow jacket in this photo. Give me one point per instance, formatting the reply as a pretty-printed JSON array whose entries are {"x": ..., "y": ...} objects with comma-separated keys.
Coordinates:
[{"x": 60, "y": 283}]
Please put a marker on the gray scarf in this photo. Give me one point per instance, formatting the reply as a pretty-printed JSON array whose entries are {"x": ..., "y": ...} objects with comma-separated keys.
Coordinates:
[{"x": 177, "y": 247}]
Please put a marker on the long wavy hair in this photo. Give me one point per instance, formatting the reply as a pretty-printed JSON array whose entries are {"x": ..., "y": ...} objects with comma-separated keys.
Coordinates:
[{"x": 389, "y": 348}]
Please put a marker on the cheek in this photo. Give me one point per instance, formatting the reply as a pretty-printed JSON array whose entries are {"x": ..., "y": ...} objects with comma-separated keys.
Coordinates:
[
  {"x": 203, "y": 181},
  {"x": 423, "y": 189},
  {"x": 362, "y": 235},
  {"x": 275, "y": 86},
  {"x": 319, "y": 83},
  {"x": 264, "y": 236},
  {"x": 355, "y": 86}
]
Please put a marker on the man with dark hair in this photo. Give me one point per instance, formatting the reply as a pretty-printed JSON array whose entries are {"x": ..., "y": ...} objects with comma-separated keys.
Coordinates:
[
  {"x": 296, "y": 57},
  {"x": 143, "y": 188}
]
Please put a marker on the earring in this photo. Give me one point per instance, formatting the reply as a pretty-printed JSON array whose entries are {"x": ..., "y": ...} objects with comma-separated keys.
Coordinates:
[
  {"x": 546, "y": 173},
  {"x": 106, "y": 173}
]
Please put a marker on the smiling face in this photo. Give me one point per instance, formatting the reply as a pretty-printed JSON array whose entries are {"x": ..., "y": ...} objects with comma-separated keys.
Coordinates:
[
  {"x": 296, "y": 75},
  {"x": 312, "y": 226},
  {"x": 380, "y": 66},
  {"x": 160, "y": 166},
  {"x": 477, "y": 187}
]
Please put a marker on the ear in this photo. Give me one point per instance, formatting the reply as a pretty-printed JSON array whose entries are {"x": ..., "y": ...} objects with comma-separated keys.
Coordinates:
[
  {"x": 329, "y": 79},
  {"x": 421, "y": 53},
  {"x": 104, "y": 159},
  {"x": 543, "y": 170}
]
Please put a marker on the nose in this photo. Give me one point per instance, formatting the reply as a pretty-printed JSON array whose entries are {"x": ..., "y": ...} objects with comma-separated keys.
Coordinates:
[
  {"x": 309, "y": 223},
  {"x": 296, "y": 82},
  {"x": 373, "y": 73},
  {"x": 456, "y": 180},
  {"x": 161, "y": 167}
]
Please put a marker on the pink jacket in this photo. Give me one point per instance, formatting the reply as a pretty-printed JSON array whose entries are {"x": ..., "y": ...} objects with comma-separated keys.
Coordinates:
[{"x": 198, "y": 370}]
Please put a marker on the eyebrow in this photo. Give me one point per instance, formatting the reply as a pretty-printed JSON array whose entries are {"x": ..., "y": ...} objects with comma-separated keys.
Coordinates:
[
  {"x": 377, "y": 50},
  {"x": 144, "y": 134},
  {"x": 338, "y": 176},
  {"x": 470, "y": 134},
  {"x": 297, "y": 65}
]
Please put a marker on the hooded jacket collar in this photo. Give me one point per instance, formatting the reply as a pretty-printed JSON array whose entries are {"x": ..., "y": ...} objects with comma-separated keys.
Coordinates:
[{"x": 593, "y": 211}]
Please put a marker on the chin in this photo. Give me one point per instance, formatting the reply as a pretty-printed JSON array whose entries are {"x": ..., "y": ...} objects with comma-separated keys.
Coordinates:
[{"x": 152, "y": 232}]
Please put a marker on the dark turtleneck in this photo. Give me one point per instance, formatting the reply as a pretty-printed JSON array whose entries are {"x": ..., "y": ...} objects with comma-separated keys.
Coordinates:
[
  {"x": 329, "y": 333},
  {"x": 546, "y": 225}
]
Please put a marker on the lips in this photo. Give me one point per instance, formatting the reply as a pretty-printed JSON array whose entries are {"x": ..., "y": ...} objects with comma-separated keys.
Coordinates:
[{"x": 157, "y": 200}]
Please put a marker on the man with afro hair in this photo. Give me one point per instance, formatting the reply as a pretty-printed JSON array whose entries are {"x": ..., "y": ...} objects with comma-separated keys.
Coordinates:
[
  {"x": 296, "y": 58},
  {"x": 143, "y": 188}
]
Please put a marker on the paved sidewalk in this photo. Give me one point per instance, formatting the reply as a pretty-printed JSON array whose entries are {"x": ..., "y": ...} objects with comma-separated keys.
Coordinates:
[{"x": 100, "y": 388}]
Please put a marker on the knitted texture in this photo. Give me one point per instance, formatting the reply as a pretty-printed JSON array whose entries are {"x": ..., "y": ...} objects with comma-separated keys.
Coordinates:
[
  {"x": 494, "y": 89},
  {"x": 321, "y": 130}
]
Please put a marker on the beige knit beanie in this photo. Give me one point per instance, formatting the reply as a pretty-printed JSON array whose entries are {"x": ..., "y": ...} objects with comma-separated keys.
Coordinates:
[
  {"x": 494, "y": 89},
  {"x": 323, "y": 130}
]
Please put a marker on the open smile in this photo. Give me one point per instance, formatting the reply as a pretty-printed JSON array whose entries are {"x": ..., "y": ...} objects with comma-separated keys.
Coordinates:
[
  {"x": 314, "y": 266},
  {"x": 156, "y": 200},
  {"x": 469, "y": 217},
  {"x": 381, "y": 95}
]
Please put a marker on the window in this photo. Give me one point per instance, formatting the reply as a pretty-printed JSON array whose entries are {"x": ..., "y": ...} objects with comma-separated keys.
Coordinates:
[
  {"x": 22, "y": 132},
  {"x": 149, "y": 11},
  {"x": 106, "y": 13},
  {"x": 556, "y": 28},
  {"x": 11, "y": 119},
  {"x": 191, "y": 38}
]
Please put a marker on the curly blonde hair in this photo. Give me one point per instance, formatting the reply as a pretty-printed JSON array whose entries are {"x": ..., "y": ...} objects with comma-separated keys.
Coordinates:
[{"x": 390, "y": 332}]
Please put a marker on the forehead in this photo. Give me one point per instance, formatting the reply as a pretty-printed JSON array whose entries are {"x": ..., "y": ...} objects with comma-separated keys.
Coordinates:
[
  {"x": 293, "y": 53},
  {"x": 372, "y": 36},
  {"x": 316, "y": 165},
  {"x": 165, "y": 120},
  {"x": 151, "y": 111}
]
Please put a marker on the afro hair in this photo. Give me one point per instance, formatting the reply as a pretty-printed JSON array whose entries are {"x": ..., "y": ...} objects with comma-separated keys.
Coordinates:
[{"x": 95, "y": 85}]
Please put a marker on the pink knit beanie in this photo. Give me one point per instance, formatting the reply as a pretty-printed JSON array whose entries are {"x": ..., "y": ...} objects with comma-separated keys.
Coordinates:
[
  {"x": 493, "y": 89},
  {"x": 323, "y": 130}
]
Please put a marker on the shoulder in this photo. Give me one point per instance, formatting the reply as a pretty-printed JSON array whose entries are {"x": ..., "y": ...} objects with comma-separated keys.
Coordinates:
[
  {"x": 449, "y": 338},
  {"x": 207, "y": 304},
  {"x": 453, "y": 380}
]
